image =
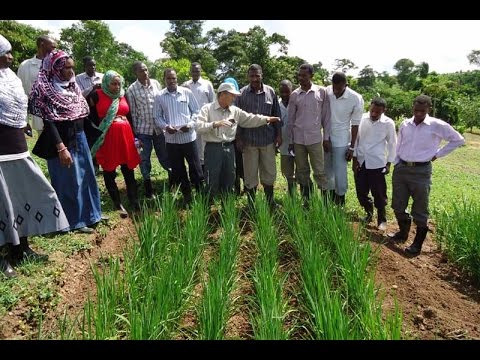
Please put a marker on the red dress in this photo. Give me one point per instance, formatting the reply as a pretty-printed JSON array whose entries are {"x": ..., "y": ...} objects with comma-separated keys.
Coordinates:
[{"x": 119, "y": 145}]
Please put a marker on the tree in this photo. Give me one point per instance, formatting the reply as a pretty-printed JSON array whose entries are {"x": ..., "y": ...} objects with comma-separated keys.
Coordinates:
[
  {"x": 23, "y": 39},
  {"x": 344, "y": 65},
  {"x": 366, "y": 77},
  {"x": 474, "y": 57},
  {"x": 94, "y": 38}
]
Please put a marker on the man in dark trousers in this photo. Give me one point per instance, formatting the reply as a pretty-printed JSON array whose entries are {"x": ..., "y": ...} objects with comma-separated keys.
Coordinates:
[{"x": 418, "y": 145}]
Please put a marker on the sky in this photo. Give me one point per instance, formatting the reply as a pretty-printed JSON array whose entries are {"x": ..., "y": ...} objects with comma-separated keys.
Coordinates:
[{"x": 443, "y": 44}]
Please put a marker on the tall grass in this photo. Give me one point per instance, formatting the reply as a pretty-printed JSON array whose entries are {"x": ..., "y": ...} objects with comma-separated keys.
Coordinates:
[
  {"x": 458, "y": 233},
  {"x": 146, "y": 298},
  {"x": 337, "y": 273},
  {"x": 215, "y": 307},
  {"x": 270, "y": 308}
]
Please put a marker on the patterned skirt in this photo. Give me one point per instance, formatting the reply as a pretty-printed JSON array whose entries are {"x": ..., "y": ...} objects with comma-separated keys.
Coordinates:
[{"x": 28, "y": 203}]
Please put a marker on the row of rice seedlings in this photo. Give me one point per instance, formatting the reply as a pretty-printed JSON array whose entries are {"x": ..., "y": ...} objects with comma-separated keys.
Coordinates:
[
  {"x": 353, "y": 273},
  {"x": 458, "y": 233},
  {"x": 148, "y": 297},
  {"x": 269, "y": 306},
  {"x": 321, "y": 300},
  {"x": 215, "y": 306}
]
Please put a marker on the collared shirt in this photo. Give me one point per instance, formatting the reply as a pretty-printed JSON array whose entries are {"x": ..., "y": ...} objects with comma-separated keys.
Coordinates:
[
  {"x": 376, "y": 142},
  {"x": 420, "y": 143},
  {"x": 178, "y": 108},
  {"x": 265, "y": 103},
  {"x": 140, "y": 98},
  {"x": 202, "y": 90},
  {"x": 285, "y": 134},
  {"x": 28, "y": 73},
  {"x": 86, "y": 83},
  {"x": 214, "y": 112},
  {"x": 346, "y": 111},
  {"x": 308, "y": 113}
]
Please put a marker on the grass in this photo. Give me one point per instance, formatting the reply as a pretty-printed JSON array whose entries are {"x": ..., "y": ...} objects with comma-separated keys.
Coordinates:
[{"x": 455, "y": 177}]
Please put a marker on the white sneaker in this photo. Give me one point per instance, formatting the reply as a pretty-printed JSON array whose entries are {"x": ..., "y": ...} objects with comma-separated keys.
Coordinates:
[{"x": 382, "y": 226}]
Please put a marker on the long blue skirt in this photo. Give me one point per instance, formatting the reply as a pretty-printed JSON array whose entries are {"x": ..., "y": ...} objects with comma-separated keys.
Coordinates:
[{"x": 76, "y": 186}]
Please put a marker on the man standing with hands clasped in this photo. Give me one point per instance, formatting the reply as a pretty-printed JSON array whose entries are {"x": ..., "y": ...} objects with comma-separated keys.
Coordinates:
[
  {"x": 374, "y": 152},
  {"x": 418, "y": 144}
]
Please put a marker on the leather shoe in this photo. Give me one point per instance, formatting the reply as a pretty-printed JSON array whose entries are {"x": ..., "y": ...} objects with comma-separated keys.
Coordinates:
[{"x": 86, "y": 230}]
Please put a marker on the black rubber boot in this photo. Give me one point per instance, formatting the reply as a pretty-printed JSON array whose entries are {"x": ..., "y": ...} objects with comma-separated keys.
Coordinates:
[
  {"x": 268, "y": 189},
  {"x": 402, "y": 234},
  {"x": 112, "y": 188},
  {"x": 339, "y": 200},
  {"x": 306, "y": 190},
  {"x": 5, "y": 266},
  {"x": 147, "y": 183},
  {"x": 23, "y": 252},
  {"x": 132, "y": 188},
  {"x": 416, "y": 246}
]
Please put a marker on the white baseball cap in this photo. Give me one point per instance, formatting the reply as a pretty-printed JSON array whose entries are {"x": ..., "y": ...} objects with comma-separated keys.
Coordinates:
[{"x": 228, "y": 87}]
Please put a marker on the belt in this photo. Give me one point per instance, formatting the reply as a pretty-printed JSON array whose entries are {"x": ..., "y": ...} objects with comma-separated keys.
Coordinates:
[
  {"x": 223, "y": 144},
  {"x": 413, "y": 163}
]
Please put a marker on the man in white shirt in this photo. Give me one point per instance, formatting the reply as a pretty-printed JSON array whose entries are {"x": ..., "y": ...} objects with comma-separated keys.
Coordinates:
[
  {"x": 204, "y": 93},
  {"x": 28, "y": 73},
  {"x": 89, "y": 79},
  {"x": 346, "y": 108},
  {"x": 373, "y": 154}
]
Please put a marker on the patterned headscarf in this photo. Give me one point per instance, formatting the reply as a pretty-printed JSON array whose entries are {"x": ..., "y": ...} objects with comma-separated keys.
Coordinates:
[
  {"x": 5, "y": 46},
  {"x": 112, "y": 110},
  {"x": 47, "y": 99},
  {"x": 13, "y": 101}
]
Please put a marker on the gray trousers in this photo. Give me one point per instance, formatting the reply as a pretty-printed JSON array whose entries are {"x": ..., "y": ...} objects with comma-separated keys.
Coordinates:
[
  {"x": 336, "y": 170},
  {"x": 302, "y": 155},
  {"x": 411, "y": 181},
  {"x": 219, "y": 167}
]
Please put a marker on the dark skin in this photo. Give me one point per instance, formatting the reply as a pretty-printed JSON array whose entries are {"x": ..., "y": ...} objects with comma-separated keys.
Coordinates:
[
  {"x": 170, "y": 79},
  {"x": 338, "y": 90},
  {"x": 255, "y": 78},
  {"x": 90, "y": 68},
  {"x": 195, "y": 71},
  {"x": 375, "y": 115}
]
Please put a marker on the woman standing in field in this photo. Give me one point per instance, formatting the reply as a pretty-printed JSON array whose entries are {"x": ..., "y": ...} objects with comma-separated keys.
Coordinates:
[
  {"x": 57, "y": 99},
  {"x": 28, "y": 203},
  {"x": 116, "y": 144}
]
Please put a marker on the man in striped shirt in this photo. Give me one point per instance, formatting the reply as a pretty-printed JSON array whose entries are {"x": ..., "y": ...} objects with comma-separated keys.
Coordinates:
[
  {"x": 89, "y": 79},
  {"x": 175, "y": 110},
  {"x": 258, "y": 144},
  {"x": 140, "y": 96}
]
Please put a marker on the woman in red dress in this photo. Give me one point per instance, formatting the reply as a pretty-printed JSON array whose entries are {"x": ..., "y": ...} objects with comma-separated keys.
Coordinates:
[{"x": 116, "y": 144}]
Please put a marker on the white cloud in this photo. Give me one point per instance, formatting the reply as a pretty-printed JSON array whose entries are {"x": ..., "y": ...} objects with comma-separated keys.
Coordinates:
[{"x": 141, "y": 40}]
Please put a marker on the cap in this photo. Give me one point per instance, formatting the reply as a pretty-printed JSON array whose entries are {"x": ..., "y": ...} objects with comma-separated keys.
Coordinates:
[{"x": 228, "y": 87}]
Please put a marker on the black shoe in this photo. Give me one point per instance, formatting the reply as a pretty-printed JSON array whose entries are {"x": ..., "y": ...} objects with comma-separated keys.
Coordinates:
[
  {"x": 6, "y": 268},
  {"x": 105, "y": 218},
  {"x": 413, "y": 250}
]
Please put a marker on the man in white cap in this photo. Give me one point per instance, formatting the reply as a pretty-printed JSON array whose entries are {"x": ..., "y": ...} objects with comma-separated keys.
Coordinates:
[{"x": 217, "y": 122}]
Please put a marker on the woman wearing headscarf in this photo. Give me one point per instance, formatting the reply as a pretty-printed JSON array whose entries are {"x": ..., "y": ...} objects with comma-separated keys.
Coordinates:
[
  {"x": 57, "y": 99},
  {"x": 116, "y": 145},
  {"x": 28, "y": 203}
]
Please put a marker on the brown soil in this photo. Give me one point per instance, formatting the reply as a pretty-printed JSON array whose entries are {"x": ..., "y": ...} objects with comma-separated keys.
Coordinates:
[{"x": 436, "y": 299}]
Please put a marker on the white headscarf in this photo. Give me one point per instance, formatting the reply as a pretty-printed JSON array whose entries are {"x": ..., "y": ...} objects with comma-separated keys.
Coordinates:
[
  {"x": 5, "y": 45},
  {"x": 13, "y": 101}
]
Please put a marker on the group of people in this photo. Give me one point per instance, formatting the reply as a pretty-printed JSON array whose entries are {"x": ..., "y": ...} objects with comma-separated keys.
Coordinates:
[{"x": 223, "y": 136}]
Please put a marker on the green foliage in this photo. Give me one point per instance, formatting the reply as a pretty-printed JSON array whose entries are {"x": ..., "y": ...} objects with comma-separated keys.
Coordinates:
[
  {"x": 474, "y": 57},
  {"x": 94, "y": 38},
  {"x": 23, "y": 39}
]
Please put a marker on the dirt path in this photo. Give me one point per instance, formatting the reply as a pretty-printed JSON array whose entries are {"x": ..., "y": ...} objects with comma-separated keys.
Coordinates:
[{"x": 437, "y": 301}]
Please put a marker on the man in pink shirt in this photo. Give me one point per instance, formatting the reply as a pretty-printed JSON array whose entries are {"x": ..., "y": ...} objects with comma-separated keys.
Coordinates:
[{"x": 418, "y": 144}]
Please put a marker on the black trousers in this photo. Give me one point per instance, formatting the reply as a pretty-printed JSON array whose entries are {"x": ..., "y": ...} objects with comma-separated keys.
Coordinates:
[
  {"x": 178, "y": 153},
  {"x": 371, "y": 180}
]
